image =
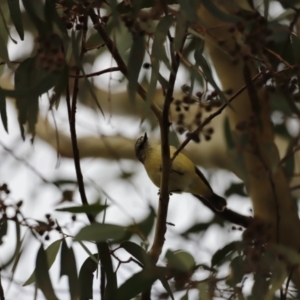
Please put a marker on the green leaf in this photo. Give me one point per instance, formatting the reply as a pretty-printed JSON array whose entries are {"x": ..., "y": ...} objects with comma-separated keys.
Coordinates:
[
  {"x": 18, "y": 246},
  {"x": 3, "y": 113},
  {"x": 180, "y": 30},
  {"x": 16, "y": 260},
  {"x": 3, "y": 230},
  {"x": 142, "y": 256},
  {"x": 60, "y": 182},
  {"x": 238, "y": 270},
  {"x": 107, "y": 266},
  {"x": 86, "y": 277},
  {"x": 201, "y": 61},
  {"x": 260, "y": 287},
  {"x": 158, "y": 54},
  {"x": 68, "y": 268},
  {"x": 16, "y": 16},
  {"x": 94, "y": 40},
  {"x": 137, "y": 252},
  {"x": 75, "y": 47},
  {"x": 30, "y": 8},
  {"x": 42, "y": 276},
  {"x": 220, "y": 255},
  {"x": 27, "y": 106},
  {"x": 3, "y": 50},
  {"x": 100, "y": 232},
  {"x": 51, "y": 253},
  {"x": 228, "y": 135},
  {"x": 135, "y": 61},
  {"x": 30, "y": 82},
  {"x": 236, "y": 188},
  {"x": 197, "y": 228},
  {"x": 296, "y": 47},
  {"x": 139, "y": 282},
  {"x": 181, "y": 261},
  {"x": 51, "y": 16},
  {"x": 85, "y": 208}
]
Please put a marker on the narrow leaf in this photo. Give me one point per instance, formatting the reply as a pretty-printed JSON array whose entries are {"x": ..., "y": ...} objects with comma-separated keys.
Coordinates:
[
  {"x": 16, "y": 16},
  {"x": 107, "y": 265},
  {"x": 42, "y": 276},
  {"x": 139, "y": 283},
  {"x": 40, "y": 25},
  {"x": 86, "y": 277},
  {"x": 100, "y": 232},
  {"x": 137, "y": 252},
  {"x": 31, "y": 80},
  {"x": 180, "y": 30},
  {"x": 197, "y": 228},
  {"x": 85, "y": 208},
  {"x": 219, "y": 256},
  {"x": 201, "y": 61},
  {"x": 51, "y": 15},
  {"x": 228, "y": 135},
  {"x": 3, "y": 230},
  {"x": 68, "y": 268},
  {"x": 181, "y": 261},
  {"x": 51, "y": 253},
  {"x": 3, "y": 50},
  {"x": 3, "y": 113},
  {"x": 158, "y": 54},
  {"x": 135, "y": 61},
  {"x": 18, "y": 246}
]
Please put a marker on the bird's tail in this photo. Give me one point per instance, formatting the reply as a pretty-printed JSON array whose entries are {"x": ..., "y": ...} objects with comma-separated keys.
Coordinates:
[{"x": 215, "y": 202}]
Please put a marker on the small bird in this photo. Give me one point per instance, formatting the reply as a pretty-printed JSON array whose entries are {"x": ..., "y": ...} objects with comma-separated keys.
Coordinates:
[{"x": 184, "y": 175}]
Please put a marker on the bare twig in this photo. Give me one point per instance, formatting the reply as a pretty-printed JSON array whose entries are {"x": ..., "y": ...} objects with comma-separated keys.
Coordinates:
[
  {"x": 166, "y": 162},
  {"x": 109, "y": 70},
  {"x": 72, "y": 123}
]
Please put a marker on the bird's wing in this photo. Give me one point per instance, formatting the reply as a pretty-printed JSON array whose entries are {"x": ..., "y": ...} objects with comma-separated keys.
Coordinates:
[{"x": 199, "y": 173}]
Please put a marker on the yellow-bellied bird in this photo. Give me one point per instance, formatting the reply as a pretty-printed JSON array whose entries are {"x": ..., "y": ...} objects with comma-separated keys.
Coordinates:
[{"x": 184, "y": 175}]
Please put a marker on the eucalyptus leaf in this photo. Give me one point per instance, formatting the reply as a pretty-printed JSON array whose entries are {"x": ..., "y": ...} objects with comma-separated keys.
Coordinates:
[
  {"x": 100, "y": 232},
  {"x": 85, "y": 208},
  {"x": 3, "y": 113},
  {"x": 51, "y": 253},
  {"x": 16, "y": 16}
]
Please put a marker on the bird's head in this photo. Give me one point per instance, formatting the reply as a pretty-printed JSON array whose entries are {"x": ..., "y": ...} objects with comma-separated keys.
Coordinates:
[{"x": 141, "y": 146}]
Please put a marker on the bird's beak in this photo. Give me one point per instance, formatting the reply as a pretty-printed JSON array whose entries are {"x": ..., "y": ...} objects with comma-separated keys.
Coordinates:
[{"x": 145, "y": 137}]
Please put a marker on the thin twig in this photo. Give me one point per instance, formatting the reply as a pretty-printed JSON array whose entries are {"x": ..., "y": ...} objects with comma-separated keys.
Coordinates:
[
  {"x": 72, "y": 125},
  {"x": 108, "y": 70},
  {"x": 279, "y": 57},
  {"x": 159, "y": 239}
]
